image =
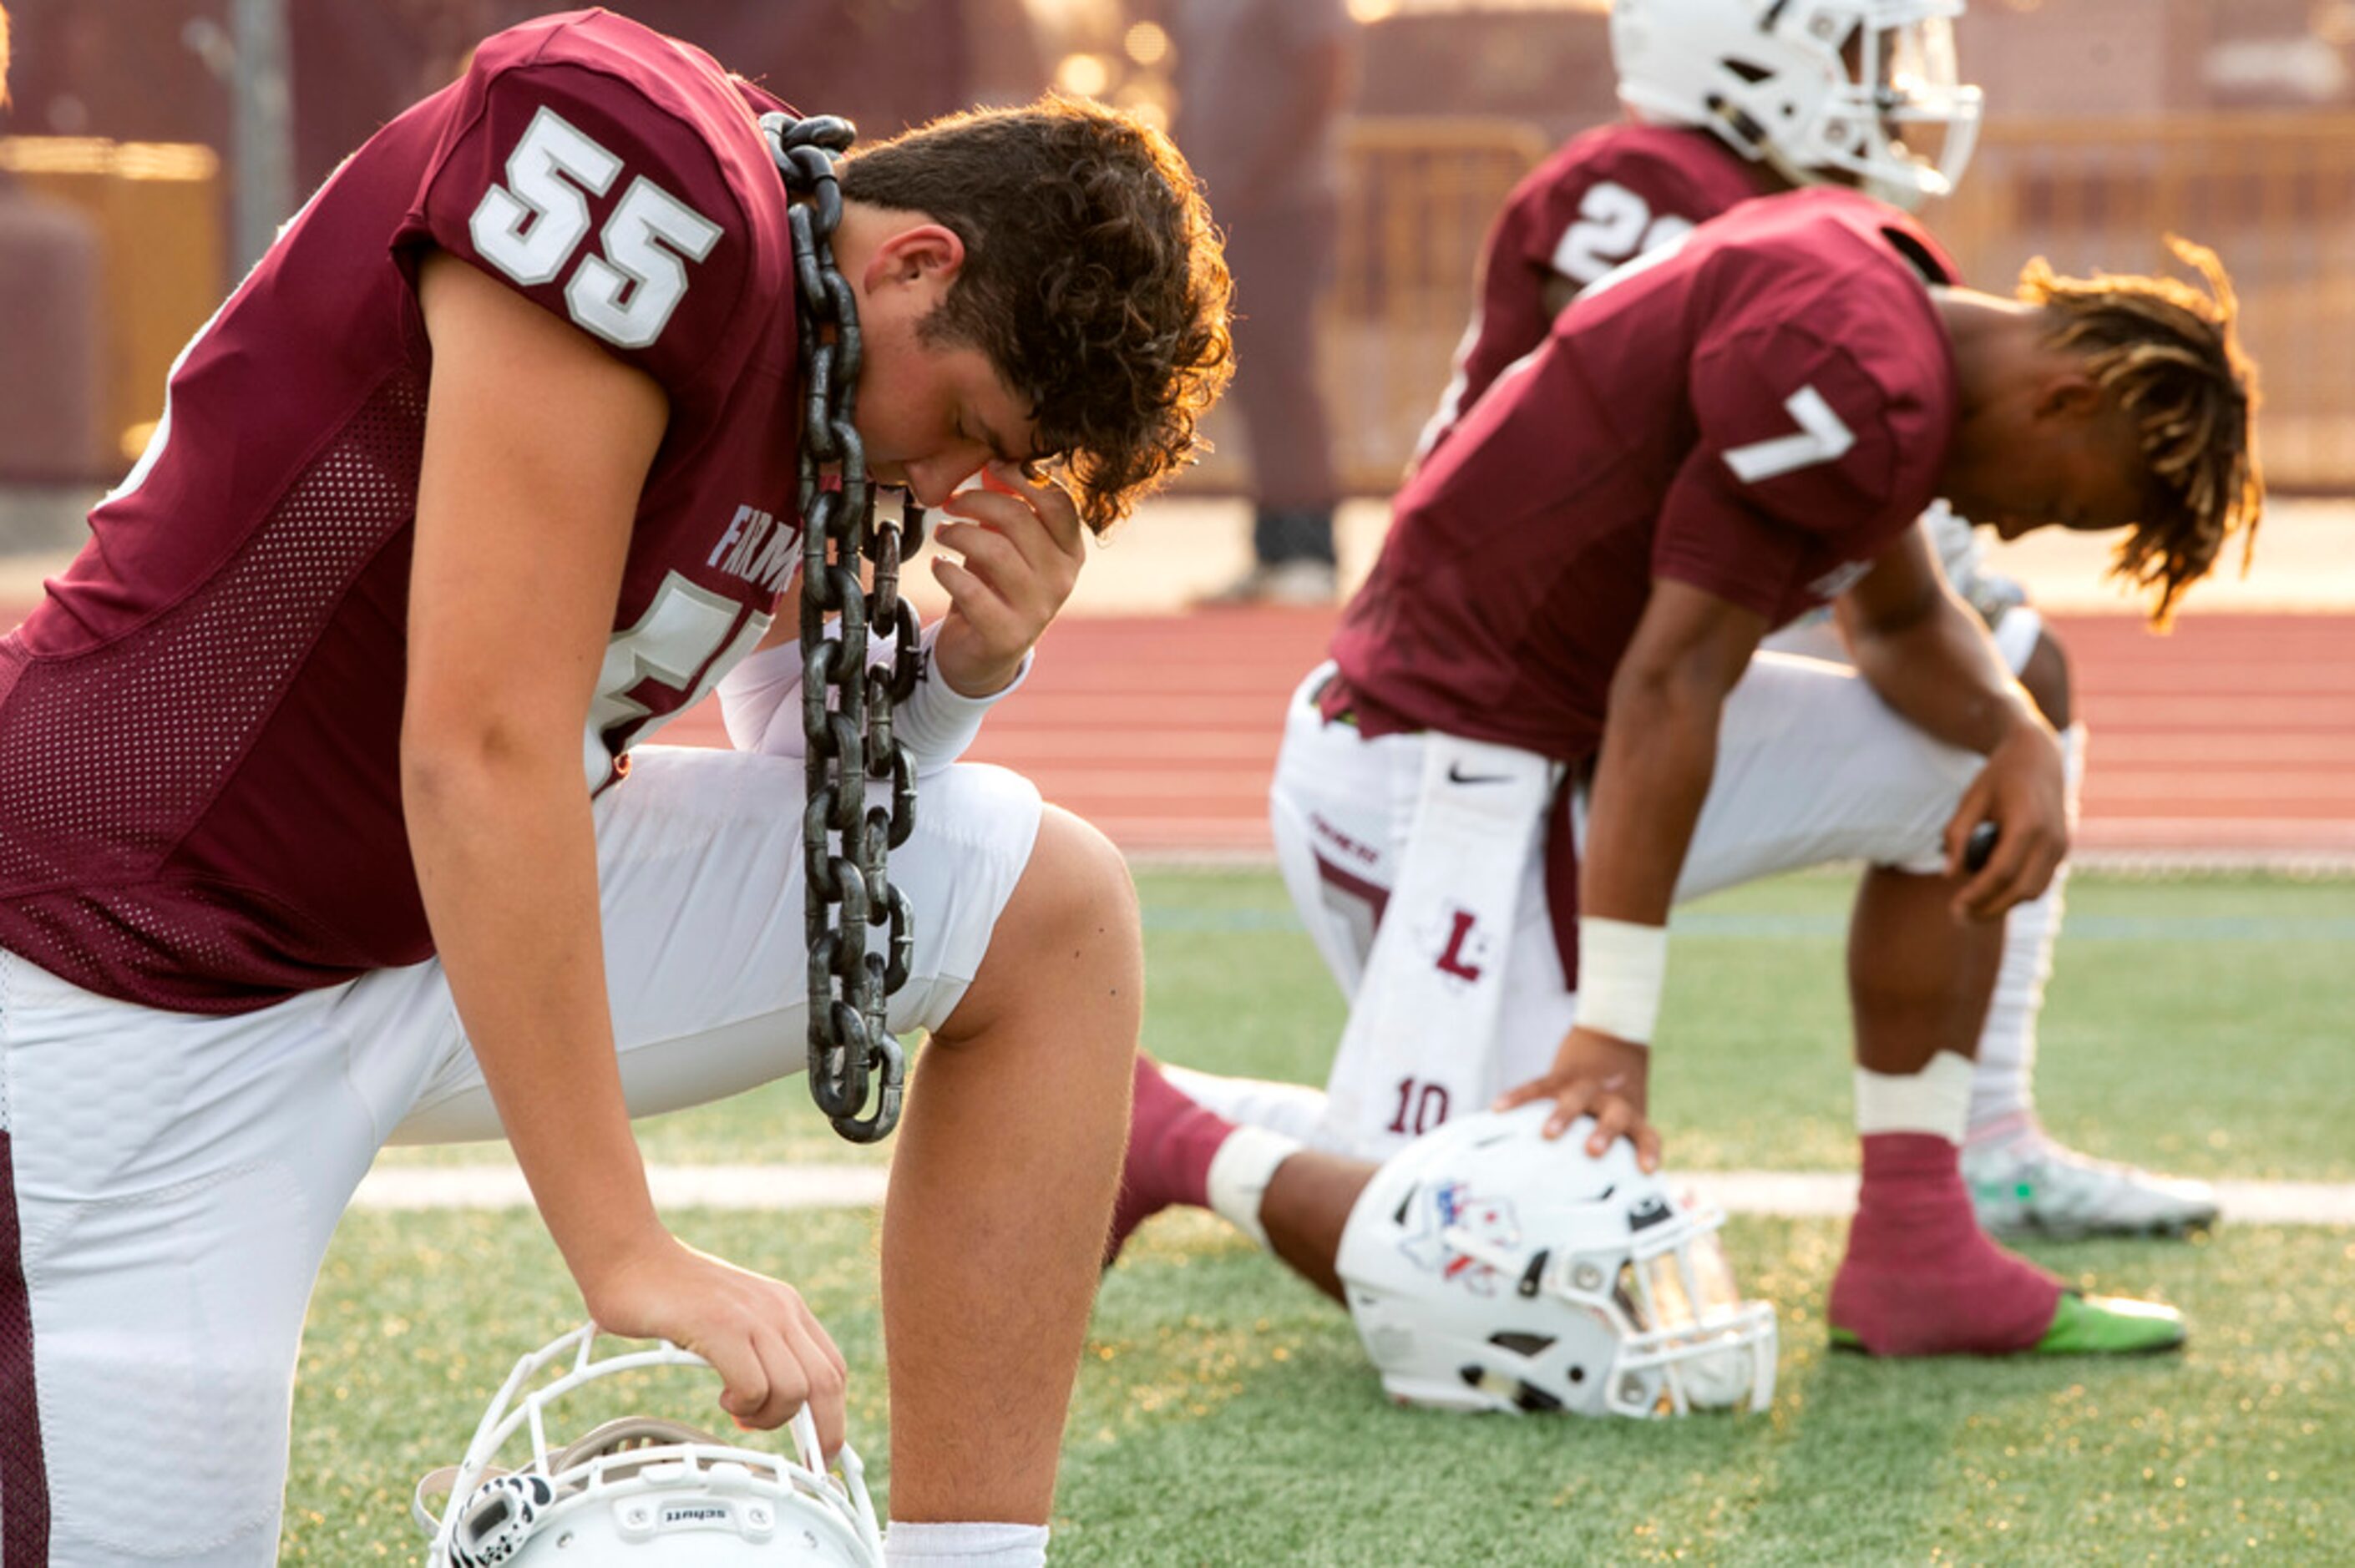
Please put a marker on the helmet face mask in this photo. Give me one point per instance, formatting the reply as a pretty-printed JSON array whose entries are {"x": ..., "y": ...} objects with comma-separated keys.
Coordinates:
[
  {"x": 1857, "y": 92},
  {"x": 1490, "y": 1268},
  {"x": 639, "y": 1488}
]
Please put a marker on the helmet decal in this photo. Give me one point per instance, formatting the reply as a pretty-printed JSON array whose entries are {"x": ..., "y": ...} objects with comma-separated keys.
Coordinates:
[{"x": 1455, "y": 1210}]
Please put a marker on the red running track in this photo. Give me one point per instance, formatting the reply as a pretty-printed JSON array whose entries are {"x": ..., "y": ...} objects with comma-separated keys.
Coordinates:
[{"x": 2233, "y": 735}]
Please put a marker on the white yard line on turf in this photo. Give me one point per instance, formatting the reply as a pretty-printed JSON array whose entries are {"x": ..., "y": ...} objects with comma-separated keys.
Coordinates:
[
  {"x": 1787, "y": 1194},
  {"x": 1827, "y": 1195},
  {"x": 674, "y": 1186}
]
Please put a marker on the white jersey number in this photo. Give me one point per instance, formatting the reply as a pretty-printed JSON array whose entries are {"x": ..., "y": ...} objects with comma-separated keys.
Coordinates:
[
  {"x": 678, "y": 635},
  {"x": 530, "y": 226},
  {"x": 1613, "y": 224},
  {"x": 1824, "y": 436}
]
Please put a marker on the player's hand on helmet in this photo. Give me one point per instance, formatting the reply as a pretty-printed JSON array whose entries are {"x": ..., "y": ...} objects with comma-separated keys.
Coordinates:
[
  {"x": 2023, "y": 791},
  {"x": 1021, "y": 543},
  {"x": 771, "y": 1352},
  {"x": 1602, "y": 1077}
]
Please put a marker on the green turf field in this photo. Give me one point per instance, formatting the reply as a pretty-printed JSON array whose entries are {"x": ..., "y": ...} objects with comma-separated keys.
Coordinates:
[{"x": 1226, "y": 1416}]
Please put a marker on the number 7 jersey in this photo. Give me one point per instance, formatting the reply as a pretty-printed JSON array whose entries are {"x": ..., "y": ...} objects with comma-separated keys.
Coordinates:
[
  {"x": 199, "y": 726},
  {"x": 1757, "y": 410}
]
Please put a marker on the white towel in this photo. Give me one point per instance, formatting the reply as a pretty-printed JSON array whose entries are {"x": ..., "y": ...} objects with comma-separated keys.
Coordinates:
[{"x": 1421, "y": 1042}]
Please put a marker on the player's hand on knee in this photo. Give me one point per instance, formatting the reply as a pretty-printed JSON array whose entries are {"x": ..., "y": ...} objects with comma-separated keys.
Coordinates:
[
  {"x": 2022, "y": 790},
  {"x": 1599, "y": 1076},
  {"x": 1022, "y": 544},
  {"x": 771, "y": 1352}
]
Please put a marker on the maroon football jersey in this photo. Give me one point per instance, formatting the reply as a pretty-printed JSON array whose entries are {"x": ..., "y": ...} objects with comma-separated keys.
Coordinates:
[
  {"x": 1758, "y": 411},
  {"x": 199, "y": 726},
  {"x": 1603, "y": 198}
]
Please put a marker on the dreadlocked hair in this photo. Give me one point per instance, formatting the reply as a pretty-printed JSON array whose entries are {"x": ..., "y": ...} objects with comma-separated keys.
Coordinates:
[
  {"x": 2168, "y": 355},
  {"x": 1092, "y": 280}
]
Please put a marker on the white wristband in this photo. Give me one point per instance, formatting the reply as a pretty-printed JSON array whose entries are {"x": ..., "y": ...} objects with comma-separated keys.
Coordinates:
[
  {"x": 759, "y": 702},
  {"x": 1622, "y": 969},
  {"x": 937, "y": 721}
]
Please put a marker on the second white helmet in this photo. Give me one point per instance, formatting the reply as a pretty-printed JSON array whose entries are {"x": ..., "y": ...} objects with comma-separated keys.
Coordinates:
[
  {"x": 1860, "y": 91},
  {"x": 1489, "y": 1268}
]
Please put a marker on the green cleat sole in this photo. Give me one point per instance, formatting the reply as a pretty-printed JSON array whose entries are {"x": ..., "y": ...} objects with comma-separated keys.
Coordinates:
[
  {"x": 2109, "y": 1326},
  {"x": 2085, "y": 1326}
]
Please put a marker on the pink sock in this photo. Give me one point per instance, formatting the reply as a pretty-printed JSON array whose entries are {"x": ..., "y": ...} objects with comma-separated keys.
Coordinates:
[
  {"x": 1171, "y": 1141},
  {"x": 1921, "y": 1278}
]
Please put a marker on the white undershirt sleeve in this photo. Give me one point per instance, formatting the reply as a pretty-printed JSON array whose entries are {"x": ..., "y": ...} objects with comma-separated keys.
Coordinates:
[{"x": 760, "y": 703}]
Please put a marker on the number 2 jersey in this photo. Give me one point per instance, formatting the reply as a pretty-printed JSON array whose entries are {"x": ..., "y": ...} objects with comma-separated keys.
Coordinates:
[
  {"x": 1603, "y": 198},
  {"x": 199, "y": 726},
  {"x": 1758, "y": 411}
]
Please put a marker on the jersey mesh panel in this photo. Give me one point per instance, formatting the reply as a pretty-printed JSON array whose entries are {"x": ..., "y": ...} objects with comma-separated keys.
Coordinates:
[{"x": 111, "y": 756}]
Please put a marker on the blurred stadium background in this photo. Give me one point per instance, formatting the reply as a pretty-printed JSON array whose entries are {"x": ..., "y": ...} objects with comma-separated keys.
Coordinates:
[{"x": 153, "y": 145}]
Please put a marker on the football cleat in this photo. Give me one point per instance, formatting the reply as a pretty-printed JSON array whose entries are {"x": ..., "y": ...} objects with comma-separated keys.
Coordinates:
[
  {"x": 2032, "y": 1186},
  {"x": 2087, "y": 1326},
  {"x": 2109, "y": 1326}
]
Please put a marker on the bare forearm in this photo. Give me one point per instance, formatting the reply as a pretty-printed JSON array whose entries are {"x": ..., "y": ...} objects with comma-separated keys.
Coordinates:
[
  {"x": 1943, "y": 675},
  {"x": 507, "y": 861},
  {"x": 1658, "y": 753}
]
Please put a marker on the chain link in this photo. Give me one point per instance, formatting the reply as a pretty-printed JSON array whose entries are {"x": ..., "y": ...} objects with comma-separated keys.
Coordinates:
[{"x": 846, "y": 705}]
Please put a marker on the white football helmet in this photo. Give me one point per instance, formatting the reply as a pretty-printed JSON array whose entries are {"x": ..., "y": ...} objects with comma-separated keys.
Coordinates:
[
  {"x": 1817, "y": 88},
  {"x": 1491, "y": 1268},
  {"x": 641, "y": 1490}
]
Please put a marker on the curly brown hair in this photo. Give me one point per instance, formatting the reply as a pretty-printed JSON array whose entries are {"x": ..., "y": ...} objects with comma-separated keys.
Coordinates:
[
  {"x": 2169, "y": 355},
  {"x": 1092, "y": 280}
]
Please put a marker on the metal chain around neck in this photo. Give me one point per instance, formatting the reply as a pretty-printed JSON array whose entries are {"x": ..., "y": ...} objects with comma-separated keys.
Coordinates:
[{"x": 846, "y": 705}]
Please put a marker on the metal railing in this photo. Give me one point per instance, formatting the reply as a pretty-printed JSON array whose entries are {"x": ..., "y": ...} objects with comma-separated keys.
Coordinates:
[
  {"x": 1417, "y": 198},
  {"x": 154, "y": 209},
  {"x": 2272, "y": 194}
]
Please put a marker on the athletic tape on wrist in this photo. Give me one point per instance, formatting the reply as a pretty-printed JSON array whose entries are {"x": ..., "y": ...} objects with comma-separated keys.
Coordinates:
[
  {"x": 760, "y": 704},
  {"x": 939, "y": 722},
  {"x": 1239, "y": 1173},
  {"x": 1622, "y": 969}
]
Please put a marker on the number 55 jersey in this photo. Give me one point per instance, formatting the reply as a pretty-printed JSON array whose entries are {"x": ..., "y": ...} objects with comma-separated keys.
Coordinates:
[
  {"x": 1757, "y": 410},
  {"x": 199, "y": 726}
]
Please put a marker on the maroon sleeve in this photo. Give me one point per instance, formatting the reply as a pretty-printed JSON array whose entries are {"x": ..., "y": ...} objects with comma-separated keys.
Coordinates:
[
  {"x": 1714, "y": 538},
  {"x": 1609, "y": 206},
  {"x": 572, "y": 185},
  {"x": 1795, "y": 441},
  {"x": 1799, "y": 425}
]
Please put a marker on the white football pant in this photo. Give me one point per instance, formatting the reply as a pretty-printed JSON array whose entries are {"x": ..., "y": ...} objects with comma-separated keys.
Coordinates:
[
  {"x": 1812, "y": 767},
  {"x": 2003, "y": 1098},
  {"x": 178, "y": 1177}
]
